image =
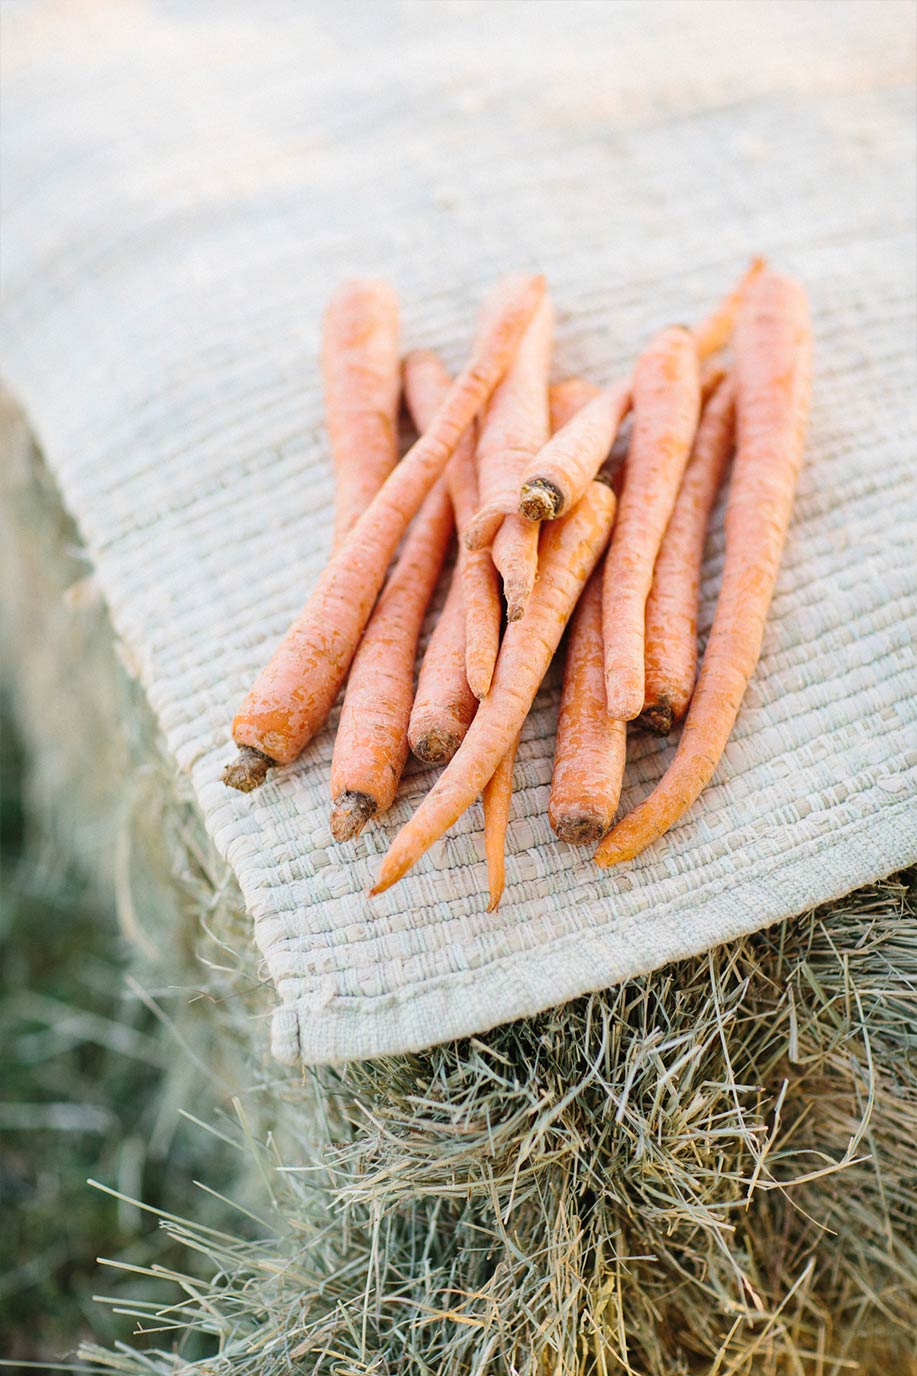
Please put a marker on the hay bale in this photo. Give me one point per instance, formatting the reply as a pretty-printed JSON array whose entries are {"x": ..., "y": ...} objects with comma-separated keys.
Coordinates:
[{"x": 705, "y": 1170}]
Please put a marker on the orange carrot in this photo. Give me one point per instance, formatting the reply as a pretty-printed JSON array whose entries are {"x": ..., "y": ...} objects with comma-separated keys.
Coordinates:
[
  {"x": 567, "y": 397},
  {"x": 504, "y": 444},
  {"x": 497, "y": 798},
  {"x": 670, "y": 654},
  {"x": 371, "y": 744},
  {"x": 443, "y": 703},
  {"x": 590, "y": 749},
  {"x": 773, "y": 350},
  {"x": 516, "y": 426},
  {"x": 360, "y": 368},
  {"x": 295, "y": 692},
  {"x": 426, "y": 383},
  {"x": 666, "y": 396},
  {"x": 569, "y": 551},
  {"x": 714, "y": 333},
  {"x": 711, "y": 375},
  {"x": 558, "y": 476}
]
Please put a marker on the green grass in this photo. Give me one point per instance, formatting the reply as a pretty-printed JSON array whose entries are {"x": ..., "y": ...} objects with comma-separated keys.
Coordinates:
[{"x": 88, "y": 1089}]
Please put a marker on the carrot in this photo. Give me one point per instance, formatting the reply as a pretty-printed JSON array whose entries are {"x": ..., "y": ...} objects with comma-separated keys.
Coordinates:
[
  {"x": 371, "y": 744},
  {"x": 497, "y": 797},
  {"x": 504, "y": 445},
  {"x": 567, "y": 397},
  {"x": 426, "y": 382},
  {"x": 711, "y": 375},
  {"x": 714, "y": 333},
  {"x": 515, "y": 427},
  {"x": 773, "y": 350},
  {"x": 558, "y": 476},
  {"x": 360, "y": 368},
  {"x": 670, "y": 654},
  {"x": 590, "y": 749},
  {"x": 569, "y": 550},
  {"x": 295, "y": 692},
  {"x": 666, "y": 395},
  {"x": 443, "y": 703}
]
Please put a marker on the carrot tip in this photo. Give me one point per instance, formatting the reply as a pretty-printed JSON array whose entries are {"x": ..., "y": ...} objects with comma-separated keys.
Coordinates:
[
  {"x": 580, "y": 829},
  {"x": 608, "y": 855},
  {"x": 658, "y": 717},
  {"x": 540, "y": 500},
  {"x": 248, "y": 771},
  {"x": 494, "y": 903},
  {"x": 436, "y": 746},
  {"x": 351, "y": 813}
]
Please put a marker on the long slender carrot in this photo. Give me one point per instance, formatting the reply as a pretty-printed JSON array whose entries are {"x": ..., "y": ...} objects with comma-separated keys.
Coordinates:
[
  {"x": 426, "y": 383},
  {"x": 295, "y": 692},
  {"x": 556, "y": 477},
  {"x": 666, "y": 396},
  {"x": 504, "y": 445},
  {"x": 361, "y": 373},
  {"x": 567, "y": 397},
  {"x": 773, "y": 350},
  {"x": 590, "y": 749},
  {"x": 444, "y": 705},
  {"x": 371, "y": 744},
  {"x": 670, "y": 654},
  {"x": 497, "y": 799},
  {"x": 515, "y": 427},
  {"x": 570, "y": 549}
]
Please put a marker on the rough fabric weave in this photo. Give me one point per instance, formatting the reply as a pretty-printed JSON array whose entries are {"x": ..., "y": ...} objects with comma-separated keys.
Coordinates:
[{"x": 184, "y": 184}]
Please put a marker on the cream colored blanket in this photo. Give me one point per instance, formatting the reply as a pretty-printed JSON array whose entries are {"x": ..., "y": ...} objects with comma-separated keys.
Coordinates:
[{"x": 183, "y": 183}]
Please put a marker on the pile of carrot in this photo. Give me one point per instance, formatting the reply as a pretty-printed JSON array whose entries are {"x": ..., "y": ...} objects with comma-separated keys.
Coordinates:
[{"x": 569, "y": 503}]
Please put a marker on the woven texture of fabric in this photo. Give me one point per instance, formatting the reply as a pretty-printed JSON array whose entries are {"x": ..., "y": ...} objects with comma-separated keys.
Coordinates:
[{"x": 183, "y": 185}]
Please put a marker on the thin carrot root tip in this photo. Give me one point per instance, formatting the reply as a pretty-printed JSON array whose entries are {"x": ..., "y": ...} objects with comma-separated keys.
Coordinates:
[
  {"x": 436, "y": 746},
  {"x": 607, "y": 855},
  {"x": 248, "y": 771},
  {"x": 540, "y": 500},
  {"x": 658, "y": 718},
  {"x": 514, "y": 611},
  {"x": 351, "y": 813},
  {"x": 583, "y": 830}
]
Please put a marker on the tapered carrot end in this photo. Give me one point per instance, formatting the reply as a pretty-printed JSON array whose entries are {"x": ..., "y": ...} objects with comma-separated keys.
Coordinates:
[
  {"x": 540, "y": 500},
  {"x": 248, "y": 771},
  {"x": 495, "y": 896},
  {"x": 351, "y": 813},
  {"x": 482, "y": 528},
  {"x": 609, "y": 853},
  {"x": 479, "y": 678},
  {"x": 658, "y": 717},
  {"x": 623, "y": 693}
]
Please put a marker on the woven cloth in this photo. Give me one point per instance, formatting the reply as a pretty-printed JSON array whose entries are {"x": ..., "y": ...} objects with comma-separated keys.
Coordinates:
[{"x": 183, "y": 184}]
